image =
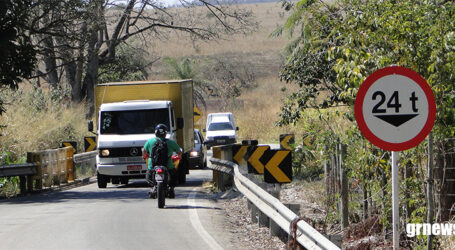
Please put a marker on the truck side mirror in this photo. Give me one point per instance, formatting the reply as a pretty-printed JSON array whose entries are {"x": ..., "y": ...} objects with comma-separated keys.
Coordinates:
[
  {"x": 204, "y": 130},
  {"x": 180, "y": 123},
  {"x": 237, "y": 128},
  {"x": 90, "y": 126}
]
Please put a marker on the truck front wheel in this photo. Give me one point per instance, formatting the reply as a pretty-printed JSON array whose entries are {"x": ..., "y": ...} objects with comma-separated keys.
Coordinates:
[{"x": 102, "y": 180}]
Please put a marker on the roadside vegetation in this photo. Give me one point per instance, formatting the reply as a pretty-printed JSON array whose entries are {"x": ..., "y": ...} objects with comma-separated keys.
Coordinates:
[{"x": 334, "y": 47}]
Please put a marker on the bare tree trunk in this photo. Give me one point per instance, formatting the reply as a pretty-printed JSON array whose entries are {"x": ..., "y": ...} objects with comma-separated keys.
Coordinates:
[
  {"x": 50, "y": 62},
  {"x": 76, "y": 88},
  {"x": 91, "y": 73}
]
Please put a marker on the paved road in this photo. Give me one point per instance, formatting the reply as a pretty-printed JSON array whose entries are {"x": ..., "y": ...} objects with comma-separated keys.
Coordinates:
[{"x": 118, "y": 217}]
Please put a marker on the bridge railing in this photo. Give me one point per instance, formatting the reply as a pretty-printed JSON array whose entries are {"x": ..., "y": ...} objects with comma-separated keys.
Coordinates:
[{"x": 47, "y": 168}]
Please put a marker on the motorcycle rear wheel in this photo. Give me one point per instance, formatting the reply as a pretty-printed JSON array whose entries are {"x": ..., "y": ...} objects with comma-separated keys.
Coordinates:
[{"x": 161, "y": 194}]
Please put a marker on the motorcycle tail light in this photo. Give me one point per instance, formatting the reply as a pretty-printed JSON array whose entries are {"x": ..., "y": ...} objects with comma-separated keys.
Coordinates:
[{"x": 159, "y": 171}]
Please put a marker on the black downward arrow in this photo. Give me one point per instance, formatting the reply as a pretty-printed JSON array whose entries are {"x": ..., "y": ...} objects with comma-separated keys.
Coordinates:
[{"x": 396, "y": 120}]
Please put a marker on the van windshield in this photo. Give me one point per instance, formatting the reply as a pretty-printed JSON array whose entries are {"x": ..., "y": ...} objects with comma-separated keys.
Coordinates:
[
  {"x": 133, "y": 121},
  {"x": 220, "y": 126}
]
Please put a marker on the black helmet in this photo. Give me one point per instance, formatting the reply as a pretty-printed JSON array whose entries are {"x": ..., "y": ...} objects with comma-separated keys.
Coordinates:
[{"x": 160, "y": 130}]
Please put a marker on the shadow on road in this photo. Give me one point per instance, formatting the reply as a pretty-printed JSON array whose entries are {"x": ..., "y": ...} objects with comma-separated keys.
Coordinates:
[
  {"x": 129, "y": 193},
  {"x": 191, "y": 207}
]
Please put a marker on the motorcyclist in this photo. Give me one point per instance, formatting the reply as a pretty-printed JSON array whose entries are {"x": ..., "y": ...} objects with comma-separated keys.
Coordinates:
[{"x": 173, "y": 147}]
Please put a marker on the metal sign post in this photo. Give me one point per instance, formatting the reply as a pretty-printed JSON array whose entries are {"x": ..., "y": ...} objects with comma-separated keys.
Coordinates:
[
  {"x": 395, "y": 110},
  {"x": 395, "y": 202}
]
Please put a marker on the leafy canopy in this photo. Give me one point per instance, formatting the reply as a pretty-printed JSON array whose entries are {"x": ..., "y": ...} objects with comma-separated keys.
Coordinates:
[
  {"x": 18, "y": 55},
  {"x": 337, "y": 45}
]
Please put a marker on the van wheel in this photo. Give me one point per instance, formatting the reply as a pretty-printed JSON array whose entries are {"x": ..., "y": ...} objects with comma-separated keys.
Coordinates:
[
  {"x": 102, "y": 180},
  {"x": 115, "y": 181},
  {"x": 124, "y": 181}
]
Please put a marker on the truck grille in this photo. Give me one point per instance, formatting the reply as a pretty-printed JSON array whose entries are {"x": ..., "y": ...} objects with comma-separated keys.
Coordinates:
[
  {"x": 121, "y": 160},
  {"x": 123, "y": 152}
]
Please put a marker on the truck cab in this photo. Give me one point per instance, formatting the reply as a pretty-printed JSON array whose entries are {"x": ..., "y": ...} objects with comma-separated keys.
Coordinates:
[
  {"x": 123, "y": 129},
  {"x": 127, "y": 115}
]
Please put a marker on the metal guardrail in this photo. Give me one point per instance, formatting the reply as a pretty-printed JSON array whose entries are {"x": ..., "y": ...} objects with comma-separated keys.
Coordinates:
[
  {"x": 18, "y": 169},
  {"x": 46, "y": 168},
  {"x": 83, "y": 157},
  {"x": 307, "y": 236}
]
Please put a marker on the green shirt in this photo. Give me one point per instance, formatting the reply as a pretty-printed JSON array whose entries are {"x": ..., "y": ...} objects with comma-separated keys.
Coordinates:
[{"x": 172, "y": 147}]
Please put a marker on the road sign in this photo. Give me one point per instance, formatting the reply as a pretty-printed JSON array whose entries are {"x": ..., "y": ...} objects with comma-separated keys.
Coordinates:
[
  {"x": 197, "y": 114},
  {"x": 395, "y": 108},
  {"x": 238, "y": 152},
  {"x": 89, "y": 143},
  {"x": 254, "y": 159},
  {"x": 286, "y": 141},
  {"x": 278, "y": 168},
  {"x": 276, "y": 165},
  {"x": 70, "y": 144}
]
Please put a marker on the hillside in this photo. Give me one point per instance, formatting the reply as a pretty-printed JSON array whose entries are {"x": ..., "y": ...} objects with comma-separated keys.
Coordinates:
[{"x": 257, "y": 53}]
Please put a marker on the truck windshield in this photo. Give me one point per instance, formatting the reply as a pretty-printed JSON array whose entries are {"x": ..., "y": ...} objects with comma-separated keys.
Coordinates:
[
  {"x": 220, "y": 126},
  {"x": 133, "y": 121}
]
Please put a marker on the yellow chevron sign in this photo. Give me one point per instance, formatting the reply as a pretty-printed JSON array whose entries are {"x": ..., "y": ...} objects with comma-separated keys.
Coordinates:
[
  {"x": 286, "y": 141},
  {"x": 239, "y": 152},
  {"x": 197, "y": 114},
  {"x": 70, "y": 144},
  {"x": 254, "y": 159},
  {"x": 278, "y": 168},
  {"x": 89, "y": 143}
]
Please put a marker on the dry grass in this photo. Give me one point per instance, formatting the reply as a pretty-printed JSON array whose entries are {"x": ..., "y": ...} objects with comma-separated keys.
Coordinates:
[
  {"x": 34, "y": 122},
  {"x": 257, "y": 49},
  {"x": 257, "y": 118}
]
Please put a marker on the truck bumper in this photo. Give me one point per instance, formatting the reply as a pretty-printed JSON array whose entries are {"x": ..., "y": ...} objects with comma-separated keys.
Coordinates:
[
  {"x": 127, "y": 170},
  {"x": 219, "y": 141},
  {"x": 196, "y": 162}
]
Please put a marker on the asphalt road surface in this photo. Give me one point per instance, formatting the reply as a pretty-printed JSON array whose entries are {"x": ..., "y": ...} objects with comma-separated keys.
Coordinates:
[{"x": 118, "y": 217}]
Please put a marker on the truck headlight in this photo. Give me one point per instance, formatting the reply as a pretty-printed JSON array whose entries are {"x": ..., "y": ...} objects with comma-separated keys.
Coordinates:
[
  {"x": 105, "y": 152},
  {"x": 194, "y": 153}
]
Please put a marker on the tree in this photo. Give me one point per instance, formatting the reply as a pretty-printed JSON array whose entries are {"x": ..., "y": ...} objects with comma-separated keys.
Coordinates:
[
  {"x": 185, "y": 70},
  {"x": 18, "y": 54},
  {"x": 90, "y": 31},
  {"x": 129, "y": 65},
  {"x": 337, "y": 45}
]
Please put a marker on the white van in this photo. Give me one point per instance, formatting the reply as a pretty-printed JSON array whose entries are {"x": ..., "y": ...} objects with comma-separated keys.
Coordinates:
[{"x": 220, "y": 129}]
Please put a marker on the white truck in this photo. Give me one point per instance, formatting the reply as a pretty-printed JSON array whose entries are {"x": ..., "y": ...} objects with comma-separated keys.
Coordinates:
[
  {"x": 128, "y": 113},
  {"x": 220, "y": 129}
]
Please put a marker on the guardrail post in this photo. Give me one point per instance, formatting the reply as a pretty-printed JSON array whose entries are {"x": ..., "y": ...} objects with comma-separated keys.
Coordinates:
[
  {"x": 22, "y": 184},
  {"x": 223, "y": 178},
  {"x": 253, "y": 212},
  {"x": 344, "y": 189},
  {"x": 30, "y": 177},
  {"x": 70, "y": 164},
  {"x": 216, "y": 153},
  {"x": 35, "y": 158},
  {"x": 274, "y": 229}
]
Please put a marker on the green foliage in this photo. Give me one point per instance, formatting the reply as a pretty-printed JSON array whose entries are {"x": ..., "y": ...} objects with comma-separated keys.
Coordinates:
[
  {"x": 339, "y": 44},
  {"x": 336, "y": 46},
  {"x": 18, "y": 54},
  {"x": 9, "y": 186},
  {"x": 189, "y": 69},
  {"x": 129, "y": 65}
]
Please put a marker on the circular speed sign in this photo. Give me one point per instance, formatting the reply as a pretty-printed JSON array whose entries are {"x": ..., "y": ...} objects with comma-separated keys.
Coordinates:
[{"x": 395, "y": 108}]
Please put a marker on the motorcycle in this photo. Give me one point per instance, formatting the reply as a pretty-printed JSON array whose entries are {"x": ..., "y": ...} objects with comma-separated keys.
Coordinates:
[{"x": 162, "y": 179}]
